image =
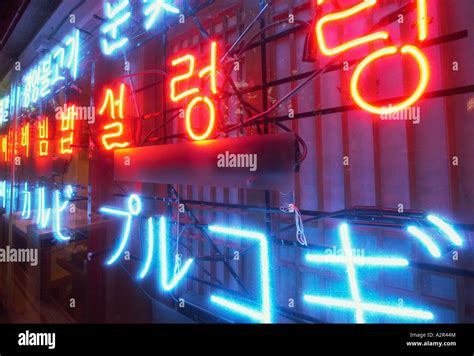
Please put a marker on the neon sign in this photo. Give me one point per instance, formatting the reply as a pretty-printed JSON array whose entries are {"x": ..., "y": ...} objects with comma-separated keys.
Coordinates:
[
  {"x": 25, "y": 139},
  {"x": 350, "y": 261},
  {"x": 209, "y": 72},
  {"x": 114, "y": 130},
  {"x": 117, "y": 16},
  {"x": 134, "y": 206},
  {"x": 356, "y": 303},
  {"x": 52, "y": 69},
  {"x": 154, "y": 8},
  {"x": 265, "y": 314},
  {"x": 179, "y": 272},
  {"x": 4, "y": 109},
  {"x": 60, "y": 207},
  {"x": 67, "y": 129},
  {"x": 5, "y": 150},
  {"x": 26, "y": 212},
  {"x": 413, "y": 51},
  {"x": 428, "y": 242},
  {"x": 118, "y": 13},
  {"x": 43, "y": 135}
]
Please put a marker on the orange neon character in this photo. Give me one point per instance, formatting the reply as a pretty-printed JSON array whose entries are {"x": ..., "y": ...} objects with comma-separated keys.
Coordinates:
[
  {"x": 116, "y": 127},
  {"x": 209, "y": 72},
  {"x": 191, "y": 60},
  {"x": 25, "y": 139},
  {"x": 340, "y": 16},
  {"x": 413, "y": 51},
  {"x": 67, "y": 127},
  {"x": 43, "y": 134},
  {"x": 422, "y": 20},
  {"x": 5, "y": 148},
  {"x": 423, "y": 66},
  {"x": 212, "y": 118}
]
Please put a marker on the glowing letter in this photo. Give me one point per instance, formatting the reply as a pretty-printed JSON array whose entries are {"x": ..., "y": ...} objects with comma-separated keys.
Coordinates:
[
  {"x": 43, "y": 135},
  {"x": 73, "y": 43},
  {"x": 179, "y": 272},
  {"x": 26, "y": 212},
  {"x": 212, "y": 118},
  {"x": 188, "y": 58},
  {"x": 425, "y": 240},
  {"x": 150, "y": 250},
  {"x": 446, "y": 228},
  {"x": 25, "y": 139},
  {"x": 341, "y": 16},
  {"x": 134, "y": 208},
  {"x": 264, "y": 315},
  {"x": 423, "y": 82},
  {"x": 422, "y": 20},
  {"x": 67, "y": 125},
  {"x": 111, "y": 27},
  {"x": 112, "y": 104},
  {"x": 212, "y": 69},
  {"x": 153, "y": 9},
  {"x": 59, "y": 208},
  {"x": 3, "y": 193},
  {"x": 356, "y": 303}
]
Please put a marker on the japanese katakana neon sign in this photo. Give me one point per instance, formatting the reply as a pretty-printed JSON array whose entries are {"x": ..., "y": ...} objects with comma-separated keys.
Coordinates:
[{"x": 170, "y": 276}]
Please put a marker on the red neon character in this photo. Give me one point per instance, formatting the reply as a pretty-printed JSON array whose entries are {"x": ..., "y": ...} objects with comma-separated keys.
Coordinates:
[
  {"x": 112, "y": 139},
  {"x": 25, "y": 139},
  {"x": 411, "y": 50},
  {"x": 209, "y": 72},
  {"x": 43, "y": 135},
  {"x": 67, "y": 129},
  {"x": 5, "y": 148}
]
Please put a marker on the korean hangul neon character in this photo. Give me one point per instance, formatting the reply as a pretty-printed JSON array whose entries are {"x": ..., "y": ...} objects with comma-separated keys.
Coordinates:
[
  {"x": 45, "y": 72},
  {"x": 411, "y": 50},
  {"x": 113, "y": 138},
  {"x": 67, "y": 130},
  {"x": 117, "y": 16},
  {"x": 25, "y": 139},
  {"x": 209, "y": 72},
  {"x": 43, "y": 135},
  {"x": 154, "y": 8}
]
